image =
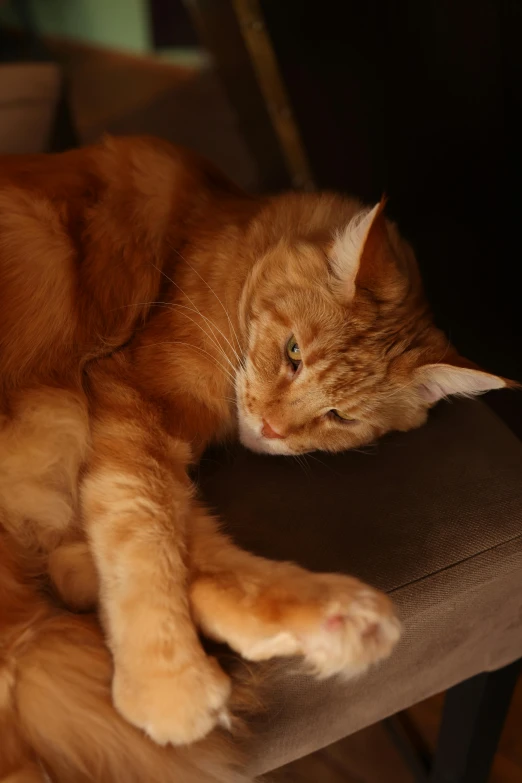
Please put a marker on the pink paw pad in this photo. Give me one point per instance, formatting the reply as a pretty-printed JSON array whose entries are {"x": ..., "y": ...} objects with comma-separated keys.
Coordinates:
[{"x": 335, "y": 622}]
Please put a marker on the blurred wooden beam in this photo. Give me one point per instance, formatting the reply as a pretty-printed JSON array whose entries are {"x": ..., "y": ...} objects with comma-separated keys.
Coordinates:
[{"x": 228, "y": 31}]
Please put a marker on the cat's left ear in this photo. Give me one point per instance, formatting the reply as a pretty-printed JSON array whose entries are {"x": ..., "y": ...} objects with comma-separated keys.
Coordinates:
[
  {"x": 436, "y": 381},
  {"x": 361, "y": 254}
]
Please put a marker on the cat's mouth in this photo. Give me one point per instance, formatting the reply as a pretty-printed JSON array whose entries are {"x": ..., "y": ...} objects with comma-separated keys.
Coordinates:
[{"x": 250, "y": 435}]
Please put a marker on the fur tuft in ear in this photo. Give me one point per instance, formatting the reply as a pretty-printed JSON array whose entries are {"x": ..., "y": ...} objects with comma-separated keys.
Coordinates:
[
  {"x": 348, "y": 246},
  {"x": 444, "y": 380}
]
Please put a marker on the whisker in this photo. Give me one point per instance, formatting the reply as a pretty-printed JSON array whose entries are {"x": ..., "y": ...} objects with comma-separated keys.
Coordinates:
[
  {"x": 324, "y": 464},
  {"x": 196, "y": 308},
  {"x": 302, "y": 464},
  {"x": 212, "y": 290},
  {"x": 238, "y": 356},
  {"x": 295, "y": 456},
  {"x": 138, "y": 304},
  {"x": 196, "y": 348},
  {"x": 369, "y": 450},
  {"x": 210, "y": 336},
  {"x": 212, "y": 325}
]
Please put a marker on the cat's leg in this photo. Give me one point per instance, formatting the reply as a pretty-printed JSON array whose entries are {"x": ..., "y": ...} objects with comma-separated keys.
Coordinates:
[
  {"x": 264, "y": 609},
  {"x": 44, "y": 438},
  {"x": 136, "y": 500},
  {"x": 259, "y": 607},
  {"x": 72, "y": 571}
]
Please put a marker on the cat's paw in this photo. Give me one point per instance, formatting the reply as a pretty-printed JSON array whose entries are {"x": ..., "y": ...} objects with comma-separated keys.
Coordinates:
[
  {"x": 336, "y": 623},
  {"x": 353, "y": 628},
  {"x": 176, "y": 706}
]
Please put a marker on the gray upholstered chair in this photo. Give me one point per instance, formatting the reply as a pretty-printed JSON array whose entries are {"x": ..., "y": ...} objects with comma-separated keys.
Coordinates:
[{"x": 434, "y": 517}]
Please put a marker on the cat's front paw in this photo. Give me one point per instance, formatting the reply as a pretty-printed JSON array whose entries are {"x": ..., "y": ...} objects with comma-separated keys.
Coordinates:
[
  {"x": 352, "y": 627},
  {"x": 177, "y": 705},
  {"x": 336, "y": 623}
]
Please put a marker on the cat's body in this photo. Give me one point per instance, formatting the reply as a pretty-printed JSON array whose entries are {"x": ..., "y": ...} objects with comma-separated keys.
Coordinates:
[{"x": 147, "y": 309}]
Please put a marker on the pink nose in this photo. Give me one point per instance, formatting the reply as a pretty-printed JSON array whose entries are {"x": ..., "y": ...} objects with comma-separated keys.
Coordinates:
[{"x": 269, "y": 432}]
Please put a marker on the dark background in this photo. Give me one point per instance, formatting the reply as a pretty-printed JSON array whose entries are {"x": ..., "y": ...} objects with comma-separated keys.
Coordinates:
[{"x": 420, "y": 99}]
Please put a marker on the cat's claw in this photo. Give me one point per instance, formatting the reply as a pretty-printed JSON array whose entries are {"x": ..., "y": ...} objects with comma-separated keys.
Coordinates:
[{"x": 178, "y": 706}]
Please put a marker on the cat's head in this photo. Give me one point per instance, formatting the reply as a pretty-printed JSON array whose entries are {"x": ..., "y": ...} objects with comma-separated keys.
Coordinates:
[{"x": 341, "y": 346}]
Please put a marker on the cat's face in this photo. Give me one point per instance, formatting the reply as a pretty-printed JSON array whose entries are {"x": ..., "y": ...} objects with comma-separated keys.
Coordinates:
[{"x": 342, "y": 349}]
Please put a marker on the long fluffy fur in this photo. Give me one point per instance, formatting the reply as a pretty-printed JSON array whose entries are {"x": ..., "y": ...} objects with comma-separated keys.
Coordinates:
[
  {"x": 76, "y": 278},
  {"x": 56, "y": 712},
  {"x": 133, "y": 279}
]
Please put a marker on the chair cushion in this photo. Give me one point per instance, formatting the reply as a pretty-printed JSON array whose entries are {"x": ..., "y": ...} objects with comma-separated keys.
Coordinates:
[{"x": 433, "y": 517}]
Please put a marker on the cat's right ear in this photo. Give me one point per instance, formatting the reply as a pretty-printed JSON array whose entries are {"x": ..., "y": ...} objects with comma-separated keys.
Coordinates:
[{"x": 362, "y": 256}]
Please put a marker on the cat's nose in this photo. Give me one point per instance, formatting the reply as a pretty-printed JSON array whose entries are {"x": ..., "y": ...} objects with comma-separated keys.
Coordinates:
[{"x": 269, "y": 432}]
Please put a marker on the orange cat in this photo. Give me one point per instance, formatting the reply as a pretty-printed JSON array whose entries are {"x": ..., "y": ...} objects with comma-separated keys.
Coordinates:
[{"x": 147, "y": 309}]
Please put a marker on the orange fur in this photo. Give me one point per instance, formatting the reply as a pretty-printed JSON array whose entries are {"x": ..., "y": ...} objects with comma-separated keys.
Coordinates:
[
  {"x": 55, "y": 708},
  {"x": 146, "y": 305}
]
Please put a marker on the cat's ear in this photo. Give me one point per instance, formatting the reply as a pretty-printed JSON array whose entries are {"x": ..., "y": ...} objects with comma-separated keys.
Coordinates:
[
  {"x": 361, "y": 254},
  {"x": 436, "y": 381}
]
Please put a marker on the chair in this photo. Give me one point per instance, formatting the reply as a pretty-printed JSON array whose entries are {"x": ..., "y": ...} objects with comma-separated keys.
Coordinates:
[{"x": 433, "y": 517}]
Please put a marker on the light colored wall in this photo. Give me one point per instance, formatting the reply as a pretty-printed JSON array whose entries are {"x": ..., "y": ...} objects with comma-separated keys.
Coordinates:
[{"x": 115, "y": 24}]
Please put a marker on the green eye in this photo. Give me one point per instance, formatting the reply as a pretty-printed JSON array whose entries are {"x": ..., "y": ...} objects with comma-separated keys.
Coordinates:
[
  {"x": 341, "y": 415},
  {"x": 293, "y": 351}
]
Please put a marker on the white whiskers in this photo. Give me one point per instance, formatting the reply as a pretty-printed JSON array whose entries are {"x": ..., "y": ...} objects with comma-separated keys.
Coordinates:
[
  {"x": 212, "y": 336},
  {"x": 196, "y": 309},
  {"x": 301, "y": 461},
  {"x": 201, "y": 350},
  {"x": 217, "y": 297}
]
